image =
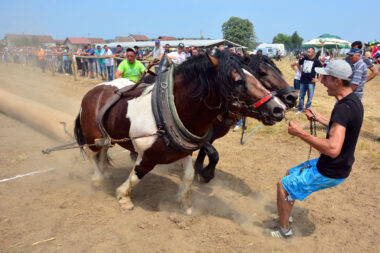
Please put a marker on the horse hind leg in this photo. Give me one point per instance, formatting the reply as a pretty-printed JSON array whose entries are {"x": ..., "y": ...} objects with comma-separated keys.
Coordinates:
[
  {"x": 183, "y": 194},
  {"x": 99, "y": 161}
]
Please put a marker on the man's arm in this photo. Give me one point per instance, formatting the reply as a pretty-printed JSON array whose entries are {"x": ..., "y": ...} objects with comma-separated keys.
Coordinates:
[
  {"x": 293, "y": 65},
  {"x": 148, "y": 55},
  {"x": 373, "y": 74},
  {"x": 118, "y": 74},
  {"x": 330, "y": 147},
  {"x": 299, "y": 67}
]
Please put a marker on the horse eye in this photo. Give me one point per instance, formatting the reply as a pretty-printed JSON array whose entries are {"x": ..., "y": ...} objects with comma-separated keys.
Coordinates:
[
  {"x": 262, "y": 73},
  {"x": 240, "y": 82}
]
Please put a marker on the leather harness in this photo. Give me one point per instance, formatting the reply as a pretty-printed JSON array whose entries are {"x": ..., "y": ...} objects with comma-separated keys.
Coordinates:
[{"x": 166, "y": 116}]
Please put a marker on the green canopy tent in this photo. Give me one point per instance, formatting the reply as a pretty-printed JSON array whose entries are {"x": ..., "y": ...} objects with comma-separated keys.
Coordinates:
[{"x": 328, "y": 41}]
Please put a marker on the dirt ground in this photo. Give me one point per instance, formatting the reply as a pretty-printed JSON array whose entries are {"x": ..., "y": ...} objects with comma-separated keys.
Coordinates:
[{"x": 231, "y": 214}]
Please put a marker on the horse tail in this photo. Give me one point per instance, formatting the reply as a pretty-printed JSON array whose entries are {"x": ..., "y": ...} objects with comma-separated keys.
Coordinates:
[{"x": 78, "y": 132}]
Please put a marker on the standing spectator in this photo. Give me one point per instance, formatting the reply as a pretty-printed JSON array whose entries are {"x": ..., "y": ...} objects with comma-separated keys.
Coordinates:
[
  {"x": 278, "y": 55},
  {"x": 84, "y": 62},
  {"x": 337, "y": 150},
  {"x": 91, "y": 62},
  {"x": 370, "y": 65},
  {"x": 130, "y": 68},
  {"x": 297, "y": 77},
  {"x": 195, "y": 52},
  {"x": 307, "y": 82},
  {"x": 109, "y": 62},
  {"x": 119, "y": 53},
  {"x": 41, "y": 59},
  {"x": 101, "y": 63},
  {"x": 67, "y": 61},
  {"x": 167, "y": 49},
  {"x": 325, "y": 59},
  {"x": 247, "y": 57},
  {"x": 187, "y": 52},
  {"x": 221, "y": 47},
  {"x": 60, "y": 65},
  {"x": 359, "y": 72},
  {"x": 77, "y": 51},
  {"x": 139, "y": 54},
  {"x": 259, "y": 52},
  {"x": 157, "y": 52},
  {"x": 291, "y": 56},
  {"x": 178, "y": 56}
]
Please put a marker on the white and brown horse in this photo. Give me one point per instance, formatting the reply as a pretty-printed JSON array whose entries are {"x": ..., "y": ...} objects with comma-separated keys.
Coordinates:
[{"x": 204, "y": 87}]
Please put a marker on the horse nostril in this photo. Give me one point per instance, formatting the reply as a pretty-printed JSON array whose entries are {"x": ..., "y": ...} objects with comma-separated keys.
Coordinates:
[{"x": 278, "y": 112}]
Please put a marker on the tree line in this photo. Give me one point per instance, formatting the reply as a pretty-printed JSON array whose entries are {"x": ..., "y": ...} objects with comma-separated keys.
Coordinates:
[{"x": 241, "y": 31}]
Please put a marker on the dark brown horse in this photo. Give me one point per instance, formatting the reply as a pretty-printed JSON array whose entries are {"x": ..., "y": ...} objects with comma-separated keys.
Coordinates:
[
  {"x": 270, "y": 76},
  {"x": 204, "y": 87}
]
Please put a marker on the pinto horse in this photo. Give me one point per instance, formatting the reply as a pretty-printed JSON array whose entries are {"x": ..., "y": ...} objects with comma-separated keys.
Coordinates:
[
  {"x": 204, "y": 87},
  {"x": 270, "y": 76}
]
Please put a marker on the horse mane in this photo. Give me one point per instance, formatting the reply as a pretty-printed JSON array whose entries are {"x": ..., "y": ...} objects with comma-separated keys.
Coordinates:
[
  {"x": 206, "y": 80},
  {"x": 256, "y": 59}
]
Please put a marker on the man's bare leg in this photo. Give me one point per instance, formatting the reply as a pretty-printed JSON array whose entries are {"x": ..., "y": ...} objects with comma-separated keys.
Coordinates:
[{"x": 284, "y": 206}]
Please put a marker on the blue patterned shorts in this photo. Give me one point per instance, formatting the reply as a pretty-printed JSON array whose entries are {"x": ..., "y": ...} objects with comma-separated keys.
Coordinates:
[{"x": 300, "y": 185}]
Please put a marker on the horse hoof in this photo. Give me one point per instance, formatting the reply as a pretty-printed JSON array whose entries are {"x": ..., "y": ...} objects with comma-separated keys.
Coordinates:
[
  {"x": 189, "y": 211},
  {"x": 127, "y": 206},
  {"x": 96, "y": 182}
]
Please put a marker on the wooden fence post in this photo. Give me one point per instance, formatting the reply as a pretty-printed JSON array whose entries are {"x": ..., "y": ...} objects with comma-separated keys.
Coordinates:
[{"x": 74, "y": 66}]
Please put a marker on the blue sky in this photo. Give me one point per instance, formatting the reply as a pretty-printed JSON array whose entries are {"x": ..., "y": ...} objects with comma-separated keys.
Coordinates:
[{"x": 107, "y": 19}]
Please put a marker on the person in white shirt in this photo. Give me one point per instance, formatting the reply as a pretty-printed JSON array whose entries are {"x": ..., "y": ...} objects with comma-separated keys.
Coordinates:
[
  {"x": 187, "y": 52},
  {"x": 157, "y": 52},
  {"x": 109, "y": 62},
  {"x": 178, "y": 56}
]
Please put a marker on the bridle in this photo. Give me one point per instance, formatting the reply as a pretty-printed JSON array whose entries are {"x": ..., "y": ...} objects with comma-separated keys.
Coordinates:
[{"x": 239, "y": 108}]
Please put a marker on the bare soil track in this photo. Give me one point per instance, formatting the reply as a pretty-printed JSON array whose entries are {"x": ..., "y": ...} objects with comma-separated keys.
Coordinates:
[{"x": 231, "y": 213}]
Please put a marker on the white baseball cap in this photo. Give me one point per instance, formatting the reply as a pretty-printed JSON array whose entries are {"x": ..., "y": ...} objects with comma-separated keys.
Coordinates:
[{"x": 337, "y": 68}]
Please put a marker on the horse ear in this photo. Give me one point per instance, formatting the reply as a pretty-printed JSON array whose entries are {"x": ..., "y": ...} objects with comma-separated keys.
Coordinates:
[
  {"x": 213, "y": 61},
  {"x": 235, "y": 76}
]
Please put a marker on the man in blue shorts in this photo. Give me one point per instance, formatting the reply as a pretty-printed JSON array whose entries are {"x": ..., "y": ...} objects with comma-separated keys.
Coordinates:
[{"x": 337, "y": 149}]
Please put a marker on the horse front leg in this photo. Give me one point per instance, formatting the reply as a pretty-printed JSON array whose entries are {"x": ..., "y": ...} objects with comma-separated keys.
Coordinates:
[
  {"x": 123, "y": 192},
  {"x": 184, "y": 189},
  {"x": 198, "y": 165},
  {"x": 208, "y": 172}
]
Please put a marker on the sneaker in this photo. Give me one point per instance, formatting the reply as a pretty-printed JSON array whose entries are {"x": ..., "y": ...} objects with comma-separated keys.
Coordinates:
[
  {"x": 298, "y": 112},
  {"x": 236, "y": 128},
  {"x": 280, "y": 233},
  {"x": 377, "y": 140}
]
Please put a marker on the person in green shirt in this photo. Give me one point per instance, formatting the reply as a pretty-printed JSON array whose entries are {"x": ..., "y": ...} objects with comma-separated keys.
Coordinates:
[{"x": 130, "y": 68}]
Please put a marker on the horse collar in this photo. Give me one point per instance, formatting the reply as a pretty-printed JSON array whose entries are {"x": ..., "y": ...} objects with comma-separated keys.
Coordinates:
[{"x": 166, "y": 116}]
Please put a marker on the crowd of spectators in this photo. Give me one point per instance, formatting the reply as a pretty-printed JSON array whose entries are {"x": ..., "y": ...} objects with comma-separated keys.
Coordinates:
[{"x": 61, "y": 59}]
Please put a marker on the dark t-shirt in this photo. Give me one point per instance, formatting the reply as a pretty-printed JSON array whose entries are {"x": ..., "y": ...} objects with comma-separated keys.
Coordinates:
[
  {"x": 348, "y": 112},
  {"x": 308, "y": 69}
]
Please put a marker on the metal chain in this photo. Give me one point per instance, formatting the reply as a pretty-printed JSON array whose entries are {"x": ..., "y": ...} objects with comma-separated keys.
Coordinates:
[
  {"x": 313, "y": 131},
  {"x": 70, "y": 144}
]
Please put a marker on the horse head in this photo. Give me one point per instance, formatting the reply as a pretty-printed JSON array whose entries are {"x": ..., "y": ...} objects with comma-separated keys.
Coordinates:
[
  {"x": 248, "y": 97},
  {"x": 271, "y": 77}
]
